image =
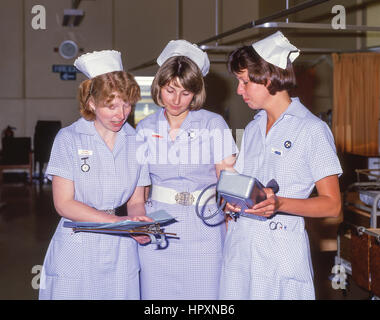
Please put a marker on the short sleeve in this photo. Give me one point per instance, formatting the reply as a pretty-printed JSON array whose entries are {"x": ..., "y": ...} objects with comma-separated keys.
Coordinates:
[
  {"x": 144, "y": 178},
  {"x": 239, "y": 165},
  {"x": 223, "y": 142},
  {"x": 61, "y": 156},
  {"x": 323, "y": 160},
  {"x": 142, "y": 156}
]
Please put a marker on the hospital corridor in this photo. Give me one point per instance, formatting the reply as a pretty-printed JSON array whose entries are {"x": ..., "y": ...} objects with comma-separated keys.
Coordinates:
[{"x": 203, "y": 150}]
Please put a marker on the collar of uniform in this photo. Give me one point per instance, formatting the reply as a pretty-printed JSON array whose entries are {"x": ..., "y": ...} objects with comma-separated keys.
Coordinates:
[
  {"x": 188, "y": 122},
  {"x": 84, "y": 126},
  {"x": 162, "y": 124},
  {"x": 259, "y": 114},
  {"x": 295, "y": 108},
  {"x": 161, "y": 116},
  {"x": 191, "y": 121},
  {"x": 128, "y": 130}
]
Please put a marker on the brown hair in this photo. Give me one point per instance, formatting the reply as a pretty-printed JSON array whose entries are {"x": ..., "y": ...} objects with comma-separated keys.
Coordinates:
[
  {"x": 189, "y": 76},
  {"x": 102, "y": 90},
  {"x": 260, "y": 71}
]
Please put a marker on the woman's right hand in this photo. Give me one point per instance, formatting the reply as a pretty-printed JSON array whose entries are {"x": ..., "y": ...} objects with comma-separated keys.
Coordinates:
[{"x": 230, "y": 207}]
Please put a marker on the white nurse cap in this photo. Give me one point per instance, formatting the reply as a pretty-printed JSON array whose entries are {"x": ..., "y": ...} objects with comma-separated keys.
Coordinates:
[
  {"x": 276, "y": 49},
  {"x": 99, "y": 62},
  {"x": 187, "y": 49}
]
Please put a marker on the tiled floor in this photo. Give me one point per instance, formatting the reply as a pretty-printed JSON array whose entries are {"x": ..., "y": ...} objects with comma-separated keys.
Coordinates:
[{"x": 28, "y": 220}]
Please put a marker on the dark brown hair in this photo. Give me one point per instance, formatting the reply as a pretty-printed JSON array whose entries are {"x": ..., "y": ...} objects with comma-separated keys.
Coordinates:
[
  {"x": 189, "y": 76},
  {"x": 260, "y": 71},
  {"x": 102, "y": 90}
]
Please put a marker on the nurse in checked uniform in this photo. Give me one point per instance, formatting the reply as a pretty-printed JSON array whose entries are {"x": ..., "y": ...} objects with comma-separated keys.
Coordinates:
[
  {"x": 187, "y": 148},
  {"x": 270, "y": 258},
  {"x": 94, "y": 170}
]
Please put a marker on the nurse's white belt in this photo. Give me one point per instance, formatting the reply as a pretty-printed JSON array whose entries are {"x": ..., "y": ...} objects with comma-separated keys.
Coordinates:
[{"x": 172, "y": 196}]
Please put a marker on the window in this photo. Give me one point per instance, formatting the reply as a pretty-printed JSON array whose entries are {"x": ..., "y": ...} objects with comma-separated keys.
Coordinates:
[{"x": 145, "y": 106}]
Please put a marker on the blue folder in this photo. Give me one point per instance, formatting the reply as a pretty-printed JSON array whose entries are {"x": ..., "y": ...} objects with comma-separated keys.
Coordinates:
[{"x": 159, "y": 218}]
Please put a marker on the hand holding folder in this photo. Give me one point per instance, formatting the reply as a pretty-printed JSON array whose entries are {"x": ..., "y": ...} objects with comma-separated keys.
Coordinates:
[{"x": 152, "y": 229}]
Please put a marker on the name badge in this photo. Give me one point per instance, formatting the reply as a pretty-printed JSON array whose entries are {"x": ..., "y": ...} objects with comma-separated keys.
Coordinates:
[
  {"x": 278, "y": 152},
  {"x": 83, "y": 152}
]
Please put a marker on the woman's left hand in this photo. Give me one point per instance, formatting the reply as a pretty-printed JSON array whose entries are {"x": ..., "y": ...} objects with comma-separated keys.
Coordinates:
[
  {"x": 266, "y": 208},
  {"x": 141, "y": 239}
]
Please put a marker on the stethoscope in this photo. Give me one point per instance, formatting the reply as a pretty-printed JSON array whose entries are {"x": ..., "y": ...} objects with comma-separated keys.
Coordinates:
[{"x": 273, "y": 225}]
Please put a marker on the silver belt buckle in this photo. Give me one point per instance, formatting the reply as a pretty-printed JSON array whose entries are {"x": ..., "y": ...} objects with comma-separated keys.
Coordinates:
[{"x": 184, "y": 198}]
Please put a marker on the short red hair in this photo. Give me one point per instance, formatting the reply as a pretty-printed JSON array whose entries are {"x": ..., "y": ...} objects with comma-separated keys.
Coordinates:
[{"x": 102, "y": 90}]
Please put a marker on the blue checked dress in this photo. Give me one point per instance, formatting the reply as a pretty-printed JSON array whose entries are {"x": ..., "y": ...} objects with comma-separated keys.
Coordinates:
[
  {"x": 93, "y": 265},
  {"x": 189, "y": 266},
  {"x": 260, "y": 263}
]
